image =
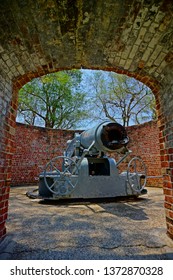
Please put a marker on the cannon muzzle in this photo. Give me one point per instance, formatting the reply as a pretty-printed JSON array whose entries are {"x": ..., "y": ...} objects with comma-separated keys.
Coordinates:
[{"x": 107, "y": 137}]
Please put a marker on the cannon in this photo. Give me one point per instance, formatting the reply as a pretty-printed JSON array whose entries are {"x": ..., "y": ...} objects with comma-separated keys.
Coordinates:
[{"x": 86, "y": 171}]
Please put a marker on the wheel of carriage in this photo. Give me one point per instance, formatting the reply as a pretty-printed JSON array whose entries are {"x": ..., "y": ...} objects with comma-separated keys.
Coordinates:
[
  {"x": 61, "y": 176},
  {"x": 136, "y": 174}
]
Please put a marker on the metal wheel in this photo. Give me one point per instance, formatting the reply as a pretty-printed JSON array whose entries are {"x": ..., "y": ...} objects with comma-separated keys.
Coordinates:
[
  {"x": 61, "y": 176},
  {"x": 136, "y": 174}
]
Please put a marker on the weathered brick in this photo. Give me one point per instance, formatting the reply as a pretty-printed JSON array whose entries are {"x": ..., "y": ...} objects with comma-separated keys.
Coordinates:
[
  {"x": 147, "y": 53},
  {"x": 169, "y": 214}
]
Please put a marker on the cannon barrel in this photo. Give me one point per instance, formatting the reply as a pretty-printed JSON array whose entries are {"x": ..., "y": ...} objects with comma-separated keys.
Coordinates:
[{"x": 108, "y": 137}]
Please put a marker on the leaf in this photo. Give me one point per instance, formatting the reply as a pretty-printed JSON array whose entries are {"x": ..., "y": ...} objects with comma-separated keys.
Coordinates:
[{"x": 55, "y": 98}]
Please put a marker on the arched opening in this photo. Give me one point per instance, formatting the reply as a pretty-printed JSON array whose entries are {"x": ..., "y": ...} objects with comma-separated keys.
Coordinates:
[
  {"x": 141, "y": 143},
  {"x": 95, "y": 95}
]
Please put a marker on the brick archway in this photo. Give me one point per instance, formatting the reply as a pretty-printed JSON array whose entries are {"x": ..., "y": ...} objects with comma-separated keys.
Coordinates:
[{"x": 128, "y": 37}]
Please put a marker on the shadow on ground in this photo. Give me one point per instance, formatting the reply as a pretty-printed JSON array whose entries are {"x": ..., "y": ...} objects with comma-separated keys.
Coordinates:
[{"x": 120, "y": 229}]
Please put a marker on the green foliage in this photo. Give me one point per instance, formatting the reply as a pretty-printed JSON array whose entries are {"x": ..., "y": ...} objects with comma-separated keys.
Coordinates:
[
  {"x": 54, "y": 100},
  {"x": 122, "y": 99},
  {"x": 76, "y": 98}
]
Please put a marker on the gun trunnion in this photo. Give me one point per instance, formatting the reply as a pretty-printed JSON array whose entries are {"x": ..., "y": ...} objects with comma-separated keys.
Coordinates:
[{"x": 85, "y": 171}]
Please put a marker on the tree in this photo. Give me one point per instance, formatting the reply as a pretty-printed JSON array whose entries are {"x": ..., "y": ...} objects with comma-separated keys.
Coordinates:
[
  {"x": 54, "y": 100},
  {"x": 122, "y": 99}
]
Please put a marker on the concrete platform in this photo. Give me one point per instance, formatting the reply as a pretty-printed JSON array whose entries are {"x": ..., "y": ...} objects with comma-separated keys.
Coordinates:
[{"x": 120, "y": 229}]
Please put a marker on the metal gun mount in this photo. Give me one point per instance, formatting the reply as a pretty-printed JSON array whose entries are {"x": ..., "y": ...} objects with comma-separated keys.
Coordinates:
[{"x": 85, "y": 171}]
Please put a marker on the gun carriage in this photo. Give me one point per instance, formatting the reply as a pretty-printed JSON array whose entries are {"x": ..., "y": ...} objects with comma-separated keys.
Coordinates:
[{"x": 85, "y": 170}]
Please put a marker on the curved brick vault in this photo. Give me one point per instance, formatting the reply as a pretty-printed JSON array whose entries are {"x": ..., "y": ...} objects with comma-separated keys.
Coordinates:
[{"x": 133, "y": 37}]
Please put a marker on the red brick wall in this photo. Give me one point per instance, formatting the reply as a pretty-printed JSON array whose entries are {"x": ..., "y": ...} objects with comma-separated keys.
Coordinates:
[
  {"x": 8, "y": 106},
  {"x": 144, "y": 142},
  {"x": 35, "y": 146}
]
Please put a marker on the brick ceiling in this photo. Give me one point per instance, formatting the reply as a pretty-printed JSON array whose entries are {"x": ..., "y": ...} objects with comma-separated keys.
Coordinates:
[{"x": 135, "y": 36}]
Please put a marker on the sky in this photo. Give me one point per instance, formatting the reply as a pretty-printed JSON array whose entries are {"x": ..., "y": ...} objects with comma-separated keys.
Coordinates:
[{"x": 86, "y": 86}]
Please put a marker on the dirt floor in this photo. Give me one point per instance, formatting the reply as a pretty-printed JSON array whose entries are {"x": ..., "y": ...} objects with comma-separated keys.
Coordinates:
[{"x": 119, "y": 229}]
